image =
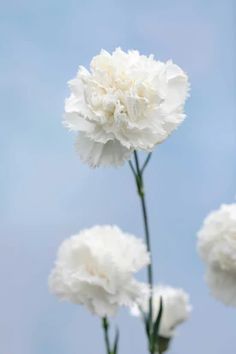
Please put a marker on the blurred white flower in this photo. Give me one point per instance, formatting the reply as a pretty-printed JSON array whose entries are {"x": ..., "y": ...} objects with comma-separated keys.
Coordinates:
[
  {"x": 217, "y": 247},
  {"x": 126, "y": 102},
  {"x": 176, "y": 308},
  {"x": 217, "y": 238},
  {"x": 222, "y": 285},
  {"x": 96, "y": 268}
]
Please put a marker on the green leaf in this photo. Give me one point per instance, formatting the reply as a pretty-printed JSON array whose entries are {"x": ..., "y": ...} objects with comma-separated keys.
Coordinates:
[
  {"x": 145, "y": 320},
  {"x": 157, "y": 324}
]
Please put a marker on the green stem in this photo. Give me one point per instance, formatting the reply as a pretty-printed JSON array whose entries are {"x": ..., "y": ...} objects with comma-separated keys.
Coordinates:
[
  {"x": 105, "y": 325},
  {"x": 141, "y": 193}
]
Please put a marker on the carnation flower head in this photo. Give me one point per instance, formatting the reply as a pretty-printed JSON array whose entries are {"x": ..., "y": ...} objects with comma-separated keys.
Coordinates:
[
  {"x": 217, "y": 247},
  {"x": 176, "y": 308},
  {"x": 126, "y": 102},
  {"x": 95, "y": 268}
]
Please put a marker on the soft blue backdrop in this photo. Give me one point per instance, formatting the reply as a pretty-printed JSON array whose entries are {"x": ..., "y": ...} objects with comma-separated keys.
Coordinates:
[{"x": 47, "y": 194}]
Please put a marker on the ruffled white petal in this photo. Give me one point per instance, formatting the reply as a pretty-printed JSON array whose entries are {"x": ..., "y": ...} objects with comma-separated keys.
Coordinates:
[{"x": 102, "y": 154}]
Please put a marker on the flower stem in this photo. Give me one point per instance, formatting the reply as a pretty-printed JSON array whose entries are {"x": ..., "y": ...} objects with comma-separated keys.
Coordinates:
[
  {"x": 138, "y": 173},
  {"x": 105, "y": 325}
]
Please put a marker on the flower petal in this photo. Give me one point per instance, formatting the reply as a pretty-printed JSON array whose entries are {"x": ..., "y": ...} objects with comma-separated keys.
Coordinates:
[{"x": 99, "y": 154}]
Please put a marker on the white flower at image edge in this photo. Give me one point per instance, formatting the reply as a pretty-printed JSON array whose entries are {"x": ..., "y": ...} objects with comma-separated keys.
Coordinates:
[
  {"x": 222, "y": 285},
  {"x": 176, "y": 308},
  {"x": 126, "y": 102},
  {"x": 217, "y": 247},
  {"x": 95, "y": 268}
]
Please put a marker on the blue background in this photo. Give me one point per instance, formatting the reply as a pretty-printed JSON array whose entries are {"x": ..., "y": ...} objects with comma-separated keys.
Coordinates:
[{"x": 47, "y": 194}]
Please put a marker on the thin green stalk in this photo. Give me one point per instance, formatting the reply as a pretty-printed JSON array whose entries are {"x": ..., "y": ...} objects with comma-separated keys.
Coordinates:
[
  {"x": 105, "y": 325},
  {"x": 138, "y": 172}
]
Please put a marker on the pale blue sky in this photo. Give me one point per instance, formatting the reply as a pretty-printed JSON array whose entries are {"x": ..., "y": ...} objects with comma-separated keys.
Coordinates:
[{"x": 47, "y": 194}]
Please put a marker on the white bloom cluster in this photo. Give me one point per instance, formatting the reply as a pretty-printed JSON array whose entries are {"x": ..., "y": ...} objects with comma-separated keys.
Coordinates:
[
  {"x": 176, "y": 308},
  {"x": 96, "y": 268},
  {"x": 217, "y": 247},
  {"x": 126, "y": 102}
]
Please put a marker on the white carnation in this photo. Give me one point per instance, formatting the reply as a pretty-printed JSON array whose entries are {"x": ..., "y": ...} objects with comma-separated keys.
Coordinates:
[
  {"x": 96, "y": 268},
  {"x": 217, "y": 247},
  {"x": 176, "y": 308},
  {"x": 126, "y": 102}
]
